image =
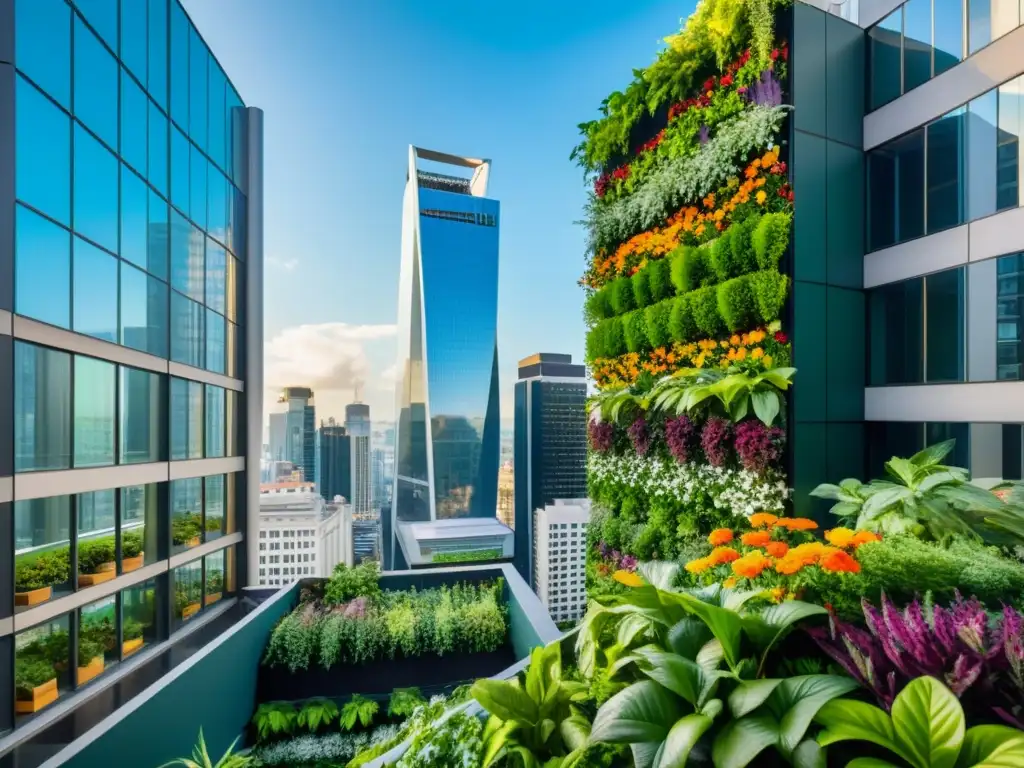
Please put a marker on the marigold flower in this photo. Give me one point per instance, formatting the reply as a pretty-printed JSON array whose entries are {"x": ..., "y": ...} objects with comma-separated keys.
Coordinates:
[
  {"x": 751, "y": 565},
  {"x": 808, "y": 553},
  {"x": 699, "y": 565},
  {"x": 757, "y": 353},
  {"x": 719, "y": 536},
  {"x": 778, "y": 593},
  {"x": 729, "y": 583},
  {"x": 839, "y": 537},
  {"x": 722, "y": 555},
  {"x": 756, "y": 538},
  {"x": 839, "y": 562},
  {"x": 863, "y": 537},
  {"x": 796, "y": 523},
  {"x": 789, "y": 565},
  {"x": 769, "y": 159},
  {"x": 629, "y": 578},
  {"x": 761, "y": 196},
  {"x": 763, "y": 520},
  {"x": 734, "y": 340},
  {"x": 777, "y": 548}
]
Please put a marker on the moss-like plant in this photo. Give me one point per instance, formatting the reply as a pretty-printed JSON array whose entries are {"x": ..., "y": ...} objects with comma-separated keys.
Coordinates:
[
  {"x": 659, "y": 279},
  {"x": 94, "y": 553},
  {"x": 770, "y": 290},
  {"x": 770, "y": 239},
  {"x": 131, "y": 544},
  {"x": 598, "y": 306},
  {"x": 656, "y": 321},
  {"x": 185, "y": 527},
  {"x": 606, "y": 339},
  {"x": 704, "y": 307},
  {"x": 621, "y": 295},
  {"x": 736, "y": 303},
  {"x": 641, "y": 288},
  {"x": 47, "y": 569}
]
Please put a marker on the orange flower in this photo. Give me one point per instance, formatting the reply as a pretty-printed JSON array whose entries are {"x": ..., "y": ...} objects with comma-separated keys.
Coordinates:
[
  {"x": 719, "y": 536},
  {"x": 751, "y": 172},
  {"x": 839, "y": 561},
  {"x": 777, "y": 548},
  {"x": 763, "y": 520},
  {"x": 863, "y": 537},
  {"x": 756, "y": 538},
  {"x": 751, "y": 565},
  {"x": 729, "y": 583},
  {"x": 796, "y": 523},
  {"x": 778, "y": 593},
  {"x": 628, "y": 578},
  {"x": 789, "y": 565},
  {"x": 699, "y": 565},
  {"x": 808, "y": 553},
  {"x": 839, "y": 537},
  {"x": 722, "y": 555}
]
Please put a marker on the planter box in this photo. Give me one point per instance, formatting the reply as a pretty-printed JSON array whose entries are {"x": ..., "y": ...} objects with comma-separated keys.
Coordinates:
[
  {"x": 130, "y": 564},
  {"x": 91, "y": 579},
  {"x": 111, "y": 566},
  {"x": 193, "y": 542},
  {"x": 382, "y": 676},
  {"x": 90, "y": 670},
  {"x": 42, "y": 696},
  {"x": 34, "y": 596},
  {"x": 213, "y": 598},
  {"x": 190, "y": 610},
  {"x": 129, "y": 647}
]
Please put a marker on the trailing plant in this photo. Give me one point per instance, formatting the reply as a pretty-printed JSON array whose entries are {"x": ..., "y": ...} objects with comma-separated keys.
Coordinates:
[
  {"x": 358, "y": 709},
  {"x": 273, "y": 719},
  {"x": 404, "y": 701},
  {"x": 309, "y": 750},
  {"x": 201, "y": 758}
]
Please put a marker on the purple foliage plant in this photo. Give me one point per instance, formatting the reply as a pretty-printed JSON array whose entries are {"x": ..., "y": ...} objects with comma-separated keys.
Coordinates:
[
  {"x": 757, "y": 445},
  {"x": 714, "y": 439},
  {"x": 601, "y": 434},
  {"x": 767, "y": 91},
  {"x": 679, "y": 434},
  {"x": 704, "y": 134},
  {"x": 640, "y": 433}
]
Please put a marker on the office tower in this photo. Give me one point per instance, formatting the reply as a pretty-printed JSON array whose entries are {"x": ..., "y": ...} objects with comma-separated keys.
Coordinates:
[
  {"x": 447, "y": 435},
  {"x": 278, "y": 430},
  {"x": 550, "y": 441},
  {"x": 383, "y": 476},
  {"x": 357, "y": 423},
  {"x": 130, "y": 377},
  {"x": 335, "y": 461},
  {"x": 560, "y": 557},
  {"x": 300, "y": 430},
  {"x": 506, "y": 494},
  {"x": 300, "y": 534}
]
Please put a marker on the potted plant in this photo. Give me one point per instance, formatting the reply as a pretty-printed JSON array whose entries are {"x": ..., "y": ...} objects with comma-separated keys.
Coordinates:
[
  {"x": 90, "y": 652},
  {"x": 186, "y": 602},
  {"x": 100, "y": 630},
  {"x": 133, "y": 640},
  {"x": 214, "y": 586},
  {"x": 34, "y": 579},
  {"x": 35, "y": 683},
  {"x": 96, "y": 561},
  {"x": 185, "y": 529},
  {"x": 132, "y": 555}
]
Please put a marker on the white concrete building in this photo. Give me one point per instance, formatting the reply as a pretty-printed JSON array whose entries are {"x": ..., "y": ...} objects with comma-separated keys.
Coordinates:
[
  {"x": 300, "y": 534},
  {"x": 560, "y": 556}
]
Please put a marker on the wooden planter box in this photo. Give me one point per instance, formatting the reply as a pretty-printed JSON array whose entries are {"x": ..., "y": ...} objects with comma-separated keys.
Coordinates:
[
  {"x": 91, "y": 579},
  {"x": 90, "y": 670},
  {"x": 130, "y": 564},
  {"x": 193, "y": 542},
  {"x": 129, "y": 647},
  {"x": 213, "y": 598},
  {"x": 33, "y": 597},
  {"x": 190, "y": 610},
  {"x": 42, "y": 696}
]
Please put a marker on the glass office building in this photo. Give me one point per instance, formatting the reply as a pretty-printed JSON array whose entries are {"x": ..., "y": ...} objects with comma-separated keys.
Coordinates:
[
  {"x": 129, "y": 235},
  {"x": 447, "y": 440}
]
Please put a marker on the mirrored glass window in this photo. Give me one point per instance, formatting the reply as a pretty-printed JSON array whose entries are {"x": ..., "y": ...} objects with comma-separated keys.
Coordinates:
[
  {"x": 42, "y": 269},
  {"x": 233, "y": 283},
  {"x": 216, "y": 276},
  {"x": 214, "y": 564},
  {"x": 95, "y": 292},
  {"x": 981, "y": 154},
  {"x": 42, "y": 550},
  {"x": 187, "y": 586},
  {"x": 231, "y": 351},
  {"x": 42, "y": 408},
  {"x": 141, "y": 426},
  {"x": 214, "y": 421},
  {"x": 1008, "y": 161},
  {"x": 94, "y": 412},
  {"x": 1009, "y": 339},
  {"x": 945, "y": 310},
  {"x": 139, "y": 526},
  {"x": 949, "y": 33},
  {"x": 158, "y": 236},
  {"x": 95, "y": 85},
  {"x": 96, "y": 178},
  {"x": 143, "y": 312},
  {"x": 42, "y": 43},
  {"x": 231, "y": 446},
  {"x": 197, "y": 201},
  {"x": 157, "y": 77},
  {"x": 198, "y": 79},
  {"x": 896, "y": 196},
  {"x": 97, "y": 548},
  {"x": 138, "y": 617},
  {"x": 134, "y": 37},
  {"x": 896, "y": 333},
  {"x": 43, "y": 137},
  {"x": 917, "y": 43},
  {"x": 216, "y": 142},
  {"x": 134, "y": 218},
  {"x": 217, "y": 216},
  {"x": 215, "y": 344},
  {"x": 180, "y": 160},
  {"x": 186, "y": 411},
  {"x": 214, "y": 488},
  {"x": 186, "y": 331},
  {"x": 102, "y": 15},
  {"x": 41, "y": 657},
  {"x": 885, "y": 57},
  {"x": 186, "y": 513},
  {"x": 134, "y": 126},
  {"x": 158, "y": 149},
  {"x": 179, "y": 66},
  {"x": 187, "y": 257},
  {"x": 945, "y": 171}
]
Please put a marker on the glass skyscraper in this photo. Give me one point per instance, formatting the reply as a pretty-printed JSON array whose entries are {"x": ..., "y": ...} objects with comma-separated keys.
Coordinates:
[
  {"x": 130, "y": 283},
  {"x": 447, "y": 442}
]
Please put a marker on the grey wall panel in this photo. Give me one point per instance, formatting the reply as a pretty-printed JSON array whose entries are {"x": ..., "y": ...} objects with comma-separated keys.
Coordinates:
[
  {"x": 6, "y": 31},
  {"x": 6, "y": 406},
  {"x": 6, "y": 177},
  {"x": 981, "y": 321}
]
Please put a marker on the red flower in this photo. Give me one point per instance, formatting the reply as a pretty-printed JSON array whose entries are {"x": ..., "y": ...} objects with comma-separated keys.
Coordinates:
[
  {"x": 775, "y": 54},
  {"x": 725, "y": 81},
  {"x": 621, "y": 173},
  {"x": 742, "y": 89},
  {"x": 781, "y": 337},
  {"x": 785, "y": 52},
  {"x": 709, "y": 84}
]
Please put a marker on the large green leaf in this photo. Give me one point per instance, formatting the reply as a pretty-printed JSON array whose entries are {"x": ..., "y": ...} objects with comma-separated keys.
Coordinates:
[
  {"x": 711, "y": 655},
  {"x": 777, "y": 377},
  {"x": 643, "y": 712},
  {"x": 846, "y": 720},
  {"x": 828, "y": 491},
  {"x": 766, "y": 405},
  {"x": 681, "y": 740},
  {"x": 933, "y": 454},
  {"x": 688, "y": 636},
  {"x": 870, "y": 762},
  {"x": 497, "y": 742},
  {"x": 725, "y": 625},
  {"x": 659, "y": 573},
  {"x": 743, "y": 740},
  {"x": 879, "y": 502},
  {"x": 766, "y": 627},
  {"x": 809, "y": 754},
  {"x": 904, "y": 470},
  {"x": 992, "y": 746},
  {"x": 797, "y": 701},
  {"x": 929, "y": 723},
  {"x": 750, "y": 694},
  {"x": 684, "y": 677},
  {"x": 505, "y": 699},
  {"x": 575, "y": 731}
]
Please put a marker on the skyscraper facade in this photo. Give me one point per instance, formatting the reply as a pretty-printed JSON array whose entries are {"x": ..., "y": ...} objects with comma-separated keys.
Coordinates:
[
  {"x": 335, "y": 461},
  {"x": 357, "y": 423},
  {"x": 300, "y": 430},
  {"x": 130, "y": 349},
  {"x": 550, "y": 443},
  {"x": 278, "y": 431},
  {"x": 447, "y": 441}
]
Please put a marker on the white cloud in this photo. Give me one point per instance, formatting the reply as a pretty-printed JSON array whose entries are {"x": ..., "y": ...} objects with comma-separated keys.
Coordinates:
[
  {"x": 327, "y": 356},
  {"x": 389, "y": 376},
  {"x": 287, "y": 265}
]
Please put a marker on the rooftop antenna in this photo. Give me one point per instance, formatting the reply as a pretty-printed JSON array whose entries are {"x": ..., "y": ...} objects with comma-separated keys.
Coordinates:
[{"x": 357, "y": 392}]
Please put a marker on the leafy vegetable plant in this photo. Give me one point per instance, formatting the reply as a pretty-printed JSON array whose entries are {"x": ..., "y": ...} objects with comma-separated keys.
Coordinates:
[
  {"x": 274, "y": 719},
  {"x": 404, "y": 701},
  {"x": 317, "y": 712},
  {"x": 358, "y": 709}
]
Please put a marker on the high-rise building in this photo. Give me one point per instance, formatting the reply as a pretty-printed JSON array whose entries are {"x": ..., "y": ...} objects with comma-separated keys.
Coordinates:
[
  {"x": 278, "y": 432},
  {"x": 447, "y": 397},
  {"x": 382, "y": 470},
  {"x": 335, "y": 461},
  {"x": 560, "y": 557},
  {"x": 357, "y": 424},
  {"x": 300, "y": 430},
  {"x": 131, "y": 354},
  {"x": 550, "y": 442}
]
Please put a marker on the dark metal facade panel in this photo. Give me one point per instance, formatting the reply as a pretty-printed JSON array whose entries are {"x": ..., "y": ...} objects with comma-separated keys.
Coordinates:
[{"x": 6, "y": 175}]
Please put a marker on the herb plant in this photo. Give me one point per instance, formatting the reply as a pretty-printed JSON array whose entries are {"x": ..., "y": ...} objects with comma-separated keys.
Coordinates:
[
  {"x": 404, "y": 701},
  {"x": 274, "y": 719}
]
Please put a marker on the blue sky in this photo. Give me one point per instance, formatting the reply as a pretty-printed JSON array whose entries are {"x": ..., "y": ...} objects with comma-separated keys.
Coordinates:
[{"x": 346, "y": 86}]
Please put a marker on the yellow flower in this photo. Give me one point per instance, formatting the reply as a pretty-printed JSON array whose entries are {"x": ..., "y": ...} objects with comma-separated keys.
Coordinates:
[
  {"x": 769, "y": 159},
  {"x": 767, "y": 360},
  {"x": 729, "y": 583},
  {"x": 757, "y": 352},
  {"x": 734, "y": 340},
  {"x": 628, "y": 578},
  {"x": 761, "y": 196}
]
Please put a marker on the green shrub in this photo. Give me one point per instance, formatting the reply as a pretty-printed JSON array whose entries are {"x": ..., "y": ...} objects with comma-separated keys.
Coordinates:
[
  {"x": 771, "y": 238},
  {"x": 681, "y": 325},
  {"x": 770, "y": 290},
  {"x": 468, "y": 556},
  {"x": 692, "y": 269},
  {"x": 133, "y": 629},
  {"x": 641, "y": 288},
  {"x": 404, "y": 701},
  {"x": 621, "y": 295},
  {"x": 704, "y": 308},
  {"x": 30, "y": 672},
  {"x": 736, "y": 303},
  {"x": 597, "y": 306},
  {"x": 131, "y": 544},
  {"x": 721, "y": 258},
  {"x": 347, "y": 583},
  {"x": 656, "y": 321},
  {"x": 47, "y": 569},
  {"x": 636, "y": 331},
  {"x": 606, "y": 339},
  {"x": 659, "y": 278},
  {"x": 93, "y": 553},
  {"x": 744, "y": 258}
]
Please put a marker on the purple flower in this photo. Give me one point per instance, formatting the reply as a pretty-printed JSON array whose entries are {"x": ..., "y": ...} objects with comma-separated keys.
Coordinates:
[
  {"x": 604, "y": 549},
  {"x": 704, "y": 135},
  {"x": 679, "y": 434},
  {"x": 628, "y": 563},
  {"x": 640, "y": 435},
  {"x": 766, "y": 92},
  {"x": 601, "y": 435},
  {"x": 714, "y": 439},
  {"x": 758, "y": 446}
]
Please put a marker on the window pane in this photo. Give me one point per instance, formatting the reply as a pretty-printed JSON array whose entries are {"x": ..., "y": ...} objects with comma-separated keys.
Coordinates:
[
  {"x": 234, "y": 128},
  {"x": 102, "y": 15},
  {"x": 139, "y": 526},
  {"x": 231, "y": 423},
  {"x": 236, "y": 223},
  {"x": 133, "y": 37},
  {"x": 96, "y": 172},
  {"x": 42, "y": 39},
  {"x": 95, "y": 291},
  {"x": 96, "y": 546},
  {"x": 142, "y": 434},
  {"x": 214, "y": 574},
  {"x": 214, "y": 421},
  {"x": 42, "y": 269},
  {"x": 946, "y": 333},
  {"x": 186, "y": 513},
  {"x": 945, "y": 171},
  {"x": 134, "y": 218},
  {"x": 230, "y": 517},
  {"x": 198, "y": 75},
  {"x": 134, "y": 128},
  {"x": 157, "y": 79},
  {"x": 187, "y": 583},
  {"x": 143, "y": 312},
  {"x": 1008, "y": 330},
  {"x": 94, "y": 412},
  {"x": 217, "y": 214},
  {"x": 939, "y": 432},
  {"x": 187, "y": 257},
  {"x": 41, "y": 652},
  {"x": 179, "y": 418},
  {"x": 42, "y": 541},
  {"x": 195, "y": 420},
  {"x": 95, "y": 85},
  {"x": 231, "y": 350},
  {"x": 138, "y": 617},
  {"x": 186, "y": 331},
  {"x": 197, "y": 201},
  {"x": 179, "y": 66},
  {"x": 908, "y": 155},
  {"x": 1008, "y": 166},
  {"x": 158, "y": 237},
  {"x": 214, "y": 342},
  {"x": 43, "y": 163},
  {"x": 214, "y": 507},
  {"x": 895, "y": 327},
  {"x": 917, "y": 43},
  {"x": 216, "y": 142},
  {"x": 42, "y": 408},
  {"x": 884, "y": 55},
  {"x": 157, "y": 149},
  {"x": 981, "y": 153},
  {"x": 179, "y": 171},
  {"x": 949, "y": 33},
  {"x": 216, "y": 276}
]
